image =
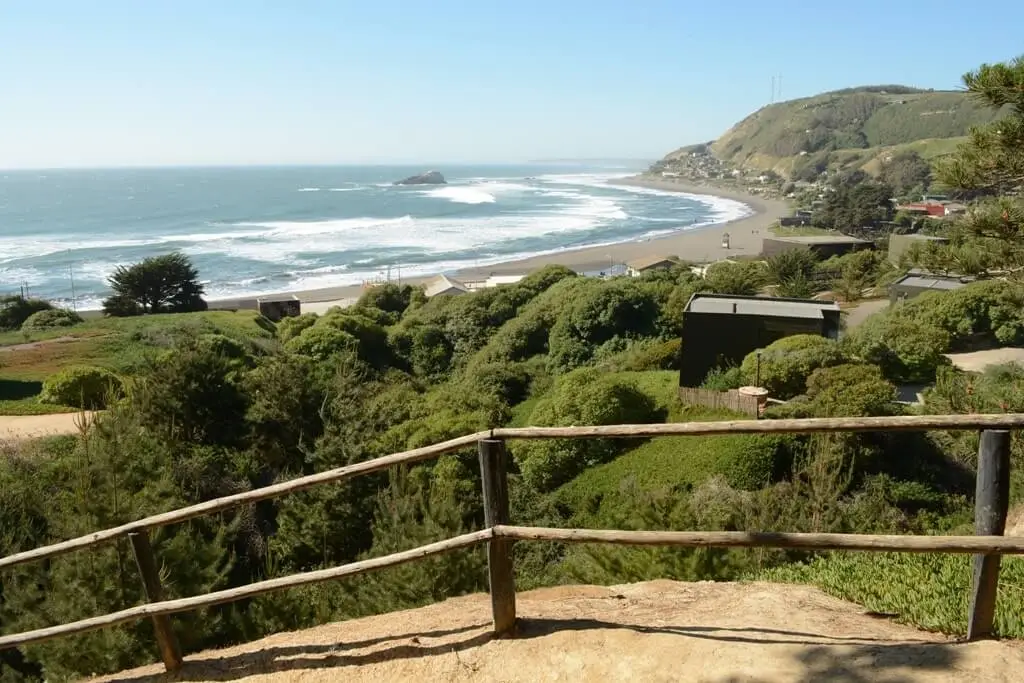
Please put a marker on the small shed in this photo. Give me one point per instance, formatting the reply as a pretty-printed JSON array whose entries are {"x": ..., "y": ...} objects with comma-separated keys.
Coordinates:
[
  {"x": 720, "y": 329},
  {"x": 913, "y": 284},
  {"x": 442, "y": 285},
  {"x": 277, "y": 307},
  {"x": 900, "y": 244},
  {"x": 640, "y": 266},
  {"x": 824, "y": 246}
]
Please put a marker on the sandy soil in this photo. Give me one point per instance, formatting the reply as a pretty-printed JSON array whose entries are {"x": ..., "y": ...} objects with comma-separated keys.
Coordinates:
[
  {"x": 658, "y": 631},
  {"x": 20, "y": 427},
  {"x": 703, "y": 244},
  {"x": 977, "y": 361}
]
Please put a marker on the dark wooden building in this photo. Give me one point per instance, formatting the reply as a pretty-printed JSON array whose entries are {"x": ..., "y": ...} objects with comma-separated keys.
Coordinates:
[
  {"x": 277, "y": 307},
  {"x": 720, "y": 329},
  {"x": 824, "y": 246}
]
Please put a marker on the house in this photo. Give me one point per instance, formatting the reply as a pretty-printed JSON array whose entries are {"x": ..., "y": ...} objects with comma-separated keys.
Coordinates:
[
  {"x": 277, "y": 307},
  {"x": 915, "y": 283},
  {"x": 720, "y": 329},
  {"x": 498, "y": 280},
  {"x": 822, "y": 245},
  {"x": 900, "y": 244},
  {"x": 641, "y": 266},
  {"x": 955, "y": 208},
  {"x": 933, "y": 209},
  {"x": 442, "y": 285}
]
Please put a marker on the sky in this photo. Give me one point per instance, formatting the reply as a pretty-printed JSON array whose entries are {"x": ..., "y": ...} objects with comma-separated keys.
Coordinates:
[{"x": 224, "y": 82}]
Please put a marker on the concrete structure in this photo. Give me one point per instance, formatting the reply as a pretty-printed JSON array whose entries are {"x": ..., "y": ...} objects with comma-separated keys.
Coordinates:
[
  {"x": 822, "y": 245},
  {"x": 900, "y": 244},
  {"x": 720, "y": 329},
  {"x": 442, "y": 285},
  {"x": 915, "y": 283},
  {"x": 277, "y": 307},
  {"x": 642, "y": 265}
]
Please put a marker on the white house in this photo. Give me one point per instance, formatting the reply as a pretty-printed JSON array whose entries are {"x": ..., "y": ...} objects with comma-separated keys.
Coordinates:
[
  {"x": 640, "y": 266},
  {"x": 444, "y": 286}
]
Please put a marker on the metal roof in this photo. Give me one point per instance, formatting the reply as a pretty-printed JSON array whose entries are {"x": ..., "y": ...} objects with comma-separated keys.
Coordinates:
[
  {"x": 442, "y": 284},
  {"x": 649, "y": 261},
  {"x": 821, "y": 239},
  {"x": 763, "y": 306},
  {"x": 929, "y": 282}
]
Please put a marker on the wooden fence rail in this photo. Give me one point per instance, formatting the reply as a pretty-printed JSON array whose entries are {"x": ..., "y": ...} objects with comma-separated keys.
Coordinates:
[{"x": 992, "y": 499}]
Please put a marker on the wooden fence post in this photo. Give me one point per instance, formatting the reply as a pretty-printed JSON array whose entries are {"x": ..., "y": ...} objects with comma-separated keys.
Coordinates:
[
  {"x": 170, "y": 651},
  {"x": 494, "y": 479},
  {"x": 991, "y": 504}
]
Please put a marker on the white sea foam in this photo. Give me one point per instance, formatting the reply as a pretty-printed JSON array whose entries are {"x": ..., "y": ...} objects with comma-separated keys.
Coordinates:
[
  {"x": 344, "y": 189},
  {"x": 309, "y": 189},
  {"x": 461, "y": 195}
]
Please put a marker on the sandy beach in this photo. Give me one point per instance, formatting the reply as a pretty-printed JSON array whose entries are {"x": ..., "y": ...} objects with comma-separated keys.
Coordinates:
[{"x": 699, "y": 244}]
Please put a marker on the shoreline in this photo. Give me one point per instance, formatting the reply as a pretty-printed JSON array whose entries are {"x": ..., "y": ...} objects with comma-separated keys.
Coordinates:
[{"x": 701, "y": 244}]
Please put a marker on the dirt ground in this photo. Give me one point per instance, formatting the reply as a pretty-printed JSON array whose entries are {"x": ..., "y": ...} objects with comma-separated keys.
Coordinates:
[
  {"x": 657, "y": 631},
  {"x": 20, "y": 427}
]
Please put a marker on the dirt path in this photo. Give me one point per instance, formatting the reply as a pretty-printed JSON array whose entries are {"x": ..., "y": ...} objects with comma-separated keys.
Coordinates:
[
  {"x": 20, "y": 427},
  {"x": 658, "y": 631}
]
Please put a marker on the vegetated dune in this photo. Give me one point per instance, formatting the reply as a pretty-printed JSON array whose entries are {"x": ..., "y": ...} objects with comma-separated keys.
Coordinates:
[{"x": 657, "y": 631}]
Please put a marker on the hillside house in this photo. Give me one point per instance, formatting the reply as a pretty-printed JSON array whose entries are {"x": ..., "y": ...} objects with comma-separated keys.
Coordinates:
[
  {"x": 917, "y": 283},
  {"x": 900, "y": 244},
  {"x": 824, "y": 246},
  {"x": 638, "y": 267},
  {"x": 276, "y": 308},
  {"x": 442, "y": 285},
  {"x": 720, "y": 329}
]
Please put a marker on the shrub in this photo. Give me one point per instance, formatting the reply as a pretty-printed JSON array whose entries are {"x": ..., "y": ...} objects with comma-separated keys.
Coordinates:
[
  {"x": 583, "y": 397},
  {"x": 905, "y": 350},
  {"x": 786, "y": 363},
  {"x": 851, "y": 389},
  {"x": 744, "y": 278},
  {"x": 49, "y": 319},
  {"x": 82, "y": 387},
  {"x": 322, "y": 342},
  {"x": 723, "y": 379},
  {"x": 15, "y": 310},
  {"x": 640, "y": 355},
  {"x": 292, "y": 327}
]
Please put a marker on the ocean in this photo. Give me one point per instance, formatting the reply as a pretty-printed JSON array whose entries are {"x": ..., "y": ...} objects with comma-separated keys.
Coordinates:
[{"x": 264, "y": 230}]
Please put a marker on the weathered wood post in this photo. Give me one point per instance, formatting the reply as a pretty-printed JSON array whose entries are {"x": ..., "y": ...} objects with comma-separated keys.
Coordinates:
[
  {"x": 170, "y": 651},
  {"x": 991, "y": 504},
  {"x": 494, "y": 479}
]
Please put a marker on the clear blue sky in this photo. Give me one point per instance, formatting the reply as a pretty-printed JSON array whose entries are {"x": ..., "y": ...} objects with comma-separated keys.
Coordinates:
[{"x": 153, "y": 82}]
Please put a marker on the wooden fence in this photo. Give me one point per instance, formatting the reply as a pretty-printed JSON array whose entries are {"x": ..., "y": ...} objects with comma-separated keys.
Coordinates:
[
  {"x": 720, "y": 400},
  {"x": 987, "y": 546}
]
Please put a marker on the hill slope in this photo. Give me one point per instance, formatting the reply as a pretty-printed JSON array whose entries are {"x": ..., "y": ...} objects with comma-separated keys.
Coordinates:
[
  {"x": 861, "y": 121},
  {"x": 657, "y": 631}
]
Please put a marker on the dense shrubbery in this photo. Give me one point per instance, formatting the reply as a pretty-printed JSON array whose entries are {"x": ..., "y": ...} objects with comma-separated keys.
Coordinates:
[
  {"x": 786, "y": 364},
  {"x": 580, "y": 398},
  {"x": 49, "y": 319},
  {"x": 15, "y": 310},
  {"x": 82, "y": 387}
]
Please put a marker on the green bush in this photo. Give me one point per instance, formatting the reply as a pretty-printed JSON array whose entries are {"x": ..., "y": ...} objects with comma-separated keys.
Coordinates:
[
  {"x": 291, "y": 327},
  {"x": 786, "y": 363},
  {"x": 905, "y": 350},
  {"x": 744, "y": 278},
  {"x": 82, "y": 387},
  {"x": 641, "y": 355},
  {"x": 49, "y": 319},
  {"x": 851, "y": 389},
  {"x": 583, "y": 397},
  {"x": 723, "y": 379},
  {"x": 15, "y": 310},
  {"x": 322, "y": 342}
]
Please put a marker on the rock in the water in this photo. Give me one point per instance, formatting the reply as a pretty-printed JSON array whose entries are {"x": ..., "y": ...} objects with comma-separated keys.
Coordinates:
[{"x": 428, "y": 178}]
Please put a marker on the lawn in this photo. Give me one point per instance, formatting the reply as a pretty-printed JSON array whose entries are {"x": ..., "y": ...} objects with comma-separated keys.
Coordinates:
[
  {"x": 120, "y": 344},
  {"x": 800, "y": 231}
]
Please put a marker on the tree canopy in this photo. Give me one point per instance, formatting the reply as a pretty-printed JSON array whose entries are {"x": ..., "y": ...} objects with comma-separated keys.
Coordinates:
[{"x": 159, "y": 284}]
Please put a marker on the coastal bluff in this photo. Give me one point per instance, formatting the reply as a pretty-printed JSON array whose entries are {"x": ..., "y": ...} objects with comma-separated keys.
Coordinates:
[{"x": 428, "y": 178}]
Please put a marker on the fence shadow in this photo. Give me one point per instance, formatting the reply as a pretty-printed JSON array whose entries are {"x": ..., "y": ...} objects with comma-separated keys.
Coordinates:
[{"x": 822, "y": 657}]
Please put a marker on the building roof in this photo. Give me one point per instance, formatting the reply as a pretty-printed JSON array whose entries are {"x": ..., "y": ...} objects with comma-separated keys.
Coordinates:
[
  {"x": 442, "y": 284},
  {"x": 495, "y": 280},
  {"x": 821, "y": 239},
  {"x": 651, "y": 261},
  {"x": 919, "y": 236},
  {"x": 774, "y": 307},
  {"x": 929, "y": 282},
  {"x": 277, "y": 298}
]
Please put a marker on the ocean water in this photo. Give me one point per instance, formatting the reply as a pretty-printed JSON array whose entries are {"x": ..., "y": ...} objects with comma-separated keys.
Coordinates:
[{"x": 262, "y": 230}]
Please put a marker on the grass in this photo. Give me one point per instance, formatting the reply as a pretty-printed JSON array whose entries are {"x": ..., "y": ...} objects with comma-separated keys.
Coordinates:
[
  {"x": 119, "y": 344},
  {"x": 930, "y": 591}
]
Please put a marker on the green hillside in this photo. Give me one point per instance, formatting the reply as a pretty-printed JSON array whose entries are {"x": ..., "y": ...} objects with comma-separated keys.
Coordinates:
[{"x": 857, "y": 125}]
